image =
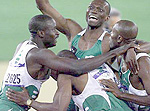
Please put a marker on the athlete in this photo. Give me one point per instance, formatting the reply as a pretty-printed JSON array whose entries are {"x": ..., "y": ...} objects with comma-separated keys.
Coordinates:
[
  {"x": 87, "y": 92},
  {"x": 32, "y": 62},
  {"x": 133, "y": 88}
]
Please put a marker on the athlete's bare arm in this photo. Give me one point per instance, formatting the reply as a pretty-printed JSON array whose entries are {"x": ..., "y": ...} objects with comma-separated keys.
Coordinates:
[
  {"x": 67, "y": 26},
  {"x": 45, "y": 57},
  {"x": 144, "y": 74},
  {"x": 61, "y": 99}
]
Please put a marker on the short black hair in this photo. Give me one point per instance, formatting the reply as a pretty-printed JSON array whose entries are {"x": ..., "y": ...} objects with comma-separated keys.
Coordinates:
[{"x": 38, "y": 22}]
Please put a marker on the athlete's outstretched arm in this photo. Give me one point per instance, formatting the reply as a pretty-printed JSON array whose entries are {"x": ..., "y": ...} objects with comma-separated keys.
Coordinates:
[
  {"x": 71, "y": 66},
  {"x": 67, "y": 26}
]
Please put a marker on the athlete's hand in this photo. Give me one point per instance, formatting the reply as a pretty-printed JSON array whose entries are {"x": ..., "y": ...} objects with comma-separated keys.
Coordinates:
[
  {"x": 131, "y": 61},
  {"x": 111, "y": 87},
  {"x": 19, "y": 97}
]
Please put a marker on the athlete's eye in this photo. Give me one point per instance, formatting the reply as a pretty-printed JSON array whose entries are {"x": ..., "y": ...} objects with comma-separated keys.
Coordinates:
[
  {"x": 91, "y": 7},
  {"x": 99, "y": 9}
]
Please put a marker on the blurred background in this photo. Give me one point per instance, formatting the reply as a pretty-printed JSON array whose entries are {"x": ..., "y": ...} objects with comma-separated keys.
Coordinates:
[{"x": 15, "y": 15}]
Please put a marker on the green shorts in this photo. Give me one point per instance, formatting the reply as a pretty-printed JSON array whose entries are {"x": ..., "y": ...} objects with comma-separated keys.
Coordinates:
[{"x": 98, "y": 103}]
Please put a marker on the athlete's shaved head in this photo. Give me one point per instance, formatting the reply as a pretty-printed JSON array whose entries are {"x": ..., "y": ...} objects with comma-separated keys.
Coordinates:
[
  {"x": 127, "y": 29},
  {"x": 39, "y": 22},
  {"x": 67, "y": 53},
  {"x": 124, "y": 31}
]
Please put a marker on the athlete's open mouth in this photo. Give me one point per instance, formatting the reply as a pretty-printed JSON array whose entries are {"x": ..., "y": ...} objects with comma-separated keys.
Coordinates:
[{"x": 93, "y": 17}]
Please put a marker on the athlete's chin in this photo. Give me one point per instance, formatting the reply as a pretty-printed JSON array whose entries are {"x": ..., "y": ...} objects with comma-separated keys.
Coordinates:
[
  {"x": 54, "y": 44},
  {"x": 93, "y": 24},
  {"x": 50, "y": 45}
]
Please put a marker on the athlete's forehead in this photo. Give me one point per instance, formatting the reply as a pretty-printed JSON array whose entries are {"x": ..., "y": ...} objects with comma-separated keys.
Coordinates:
[
  {"x": 127, "y": 29},
  {"x": 101, "y": 3}
]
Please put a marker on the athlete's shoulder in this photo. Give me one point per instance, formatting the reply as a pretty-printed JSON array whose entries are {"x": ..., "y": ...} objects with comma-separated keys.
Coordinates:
[{"x": 107, "y": 34}]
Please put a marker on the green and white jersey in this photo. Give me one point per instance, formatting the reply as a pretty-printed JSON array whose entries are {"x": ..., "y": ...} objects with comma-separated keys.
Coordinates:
[
  {"x": 126, "y": 86},
  {"x": 92, "y": 88},
  {"x": 93, "y": 51},
  {"x": 17, "y": 76},
  {"x": 93, "y": 98}
]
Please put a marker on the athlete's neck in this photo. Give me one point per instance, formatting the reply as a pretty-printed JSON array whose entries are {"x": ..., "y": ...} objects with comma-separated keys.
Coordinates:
[
  {"x": 37, "y": 41},
  {"x": 94, "y": 33}
]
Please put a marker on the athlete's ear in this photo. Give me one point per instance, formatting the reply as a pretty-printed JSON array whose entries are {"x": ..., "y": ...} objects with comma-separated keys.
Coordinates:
[
  {"x": 107, "y": 18},
  {"x": 41, "y": 33},
  {"x": 119, "y": 39}
]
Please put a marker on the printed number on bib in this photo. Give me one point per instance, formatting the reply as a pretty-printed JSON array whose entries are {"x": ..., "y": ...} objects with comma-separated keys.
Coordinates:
[{"x": 13, "y": 78}]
